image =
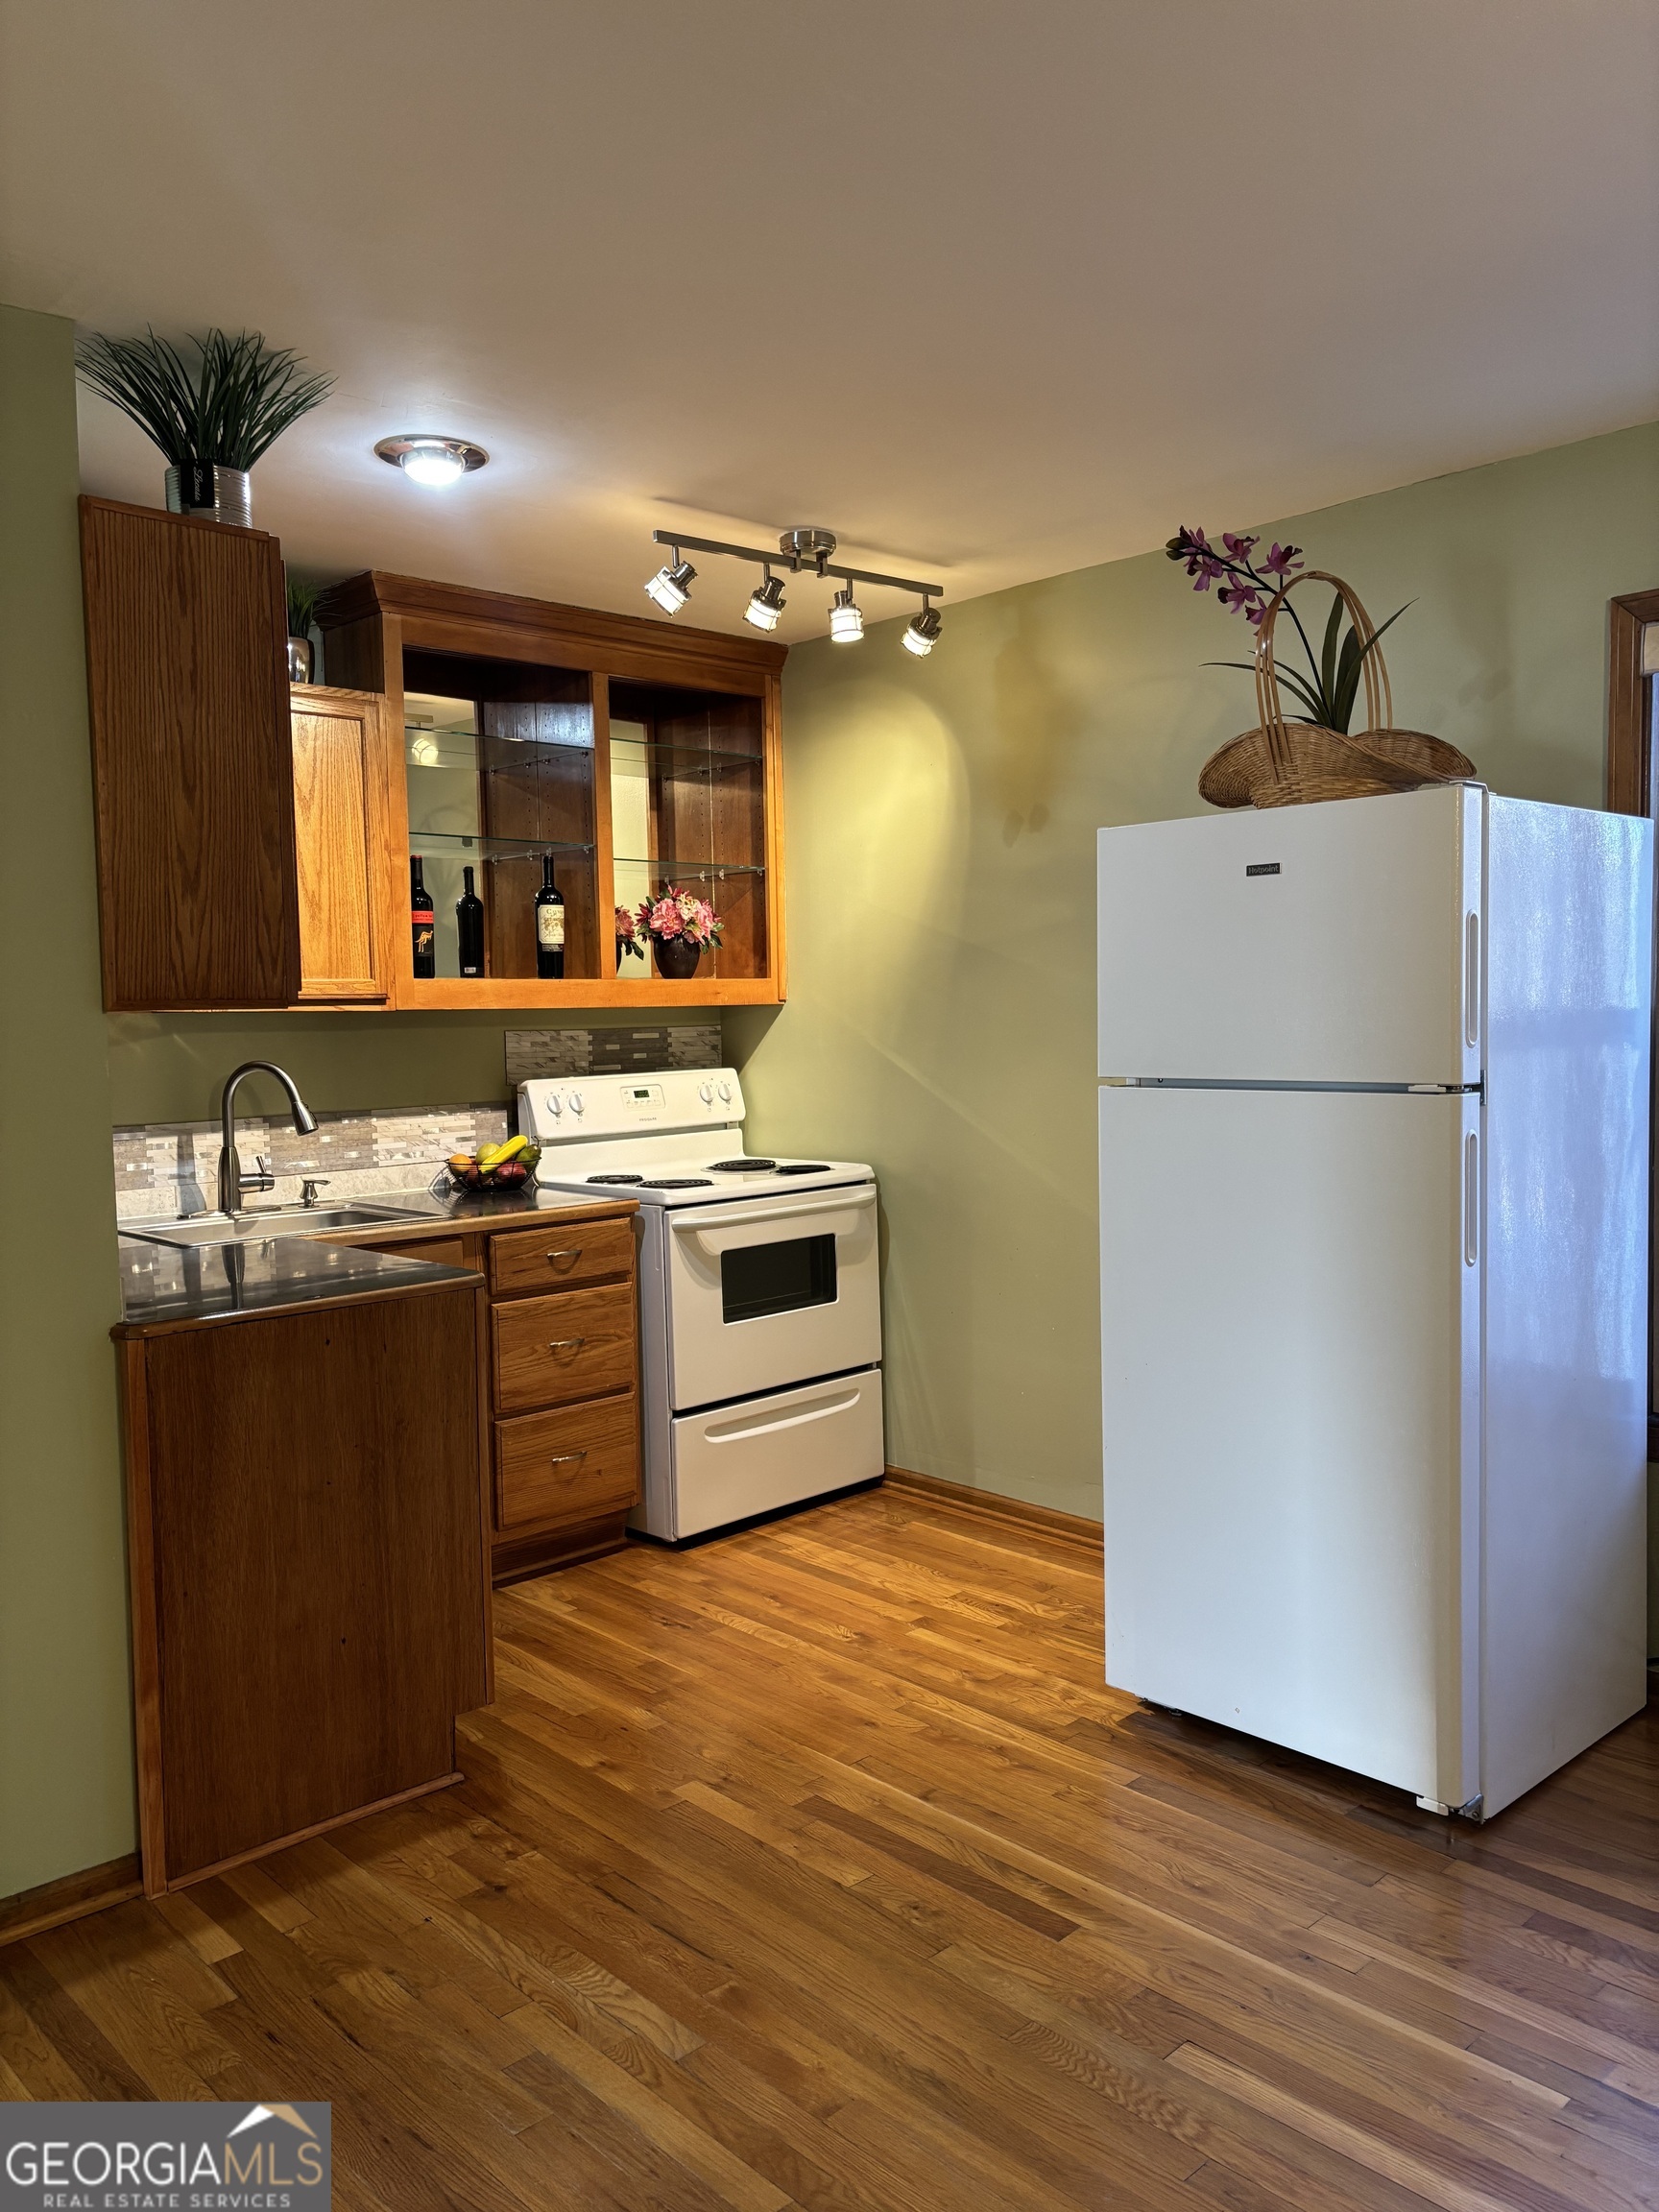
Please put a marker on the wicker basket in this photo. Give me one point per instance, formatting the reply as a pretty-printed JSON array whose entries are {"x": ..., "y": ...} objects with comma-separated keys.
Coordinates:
[{"x": 1287, "y": 763}]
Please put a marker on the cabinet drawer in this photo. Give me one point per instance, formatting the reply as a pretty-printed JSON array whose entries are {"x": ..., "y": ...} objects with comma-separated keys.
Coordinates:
[
  {"x": 553, "y": 1257},
  {"x": 438, "y": 1251},
  {"x": 553, "y": 1468},
  {"x": 579, "y": 1344}
]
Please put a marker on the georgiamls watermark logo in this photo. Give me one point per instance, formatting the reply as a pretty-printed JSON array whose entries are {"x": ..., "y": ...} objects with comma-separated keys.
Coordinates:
[{"x": 164, "y": 2158}]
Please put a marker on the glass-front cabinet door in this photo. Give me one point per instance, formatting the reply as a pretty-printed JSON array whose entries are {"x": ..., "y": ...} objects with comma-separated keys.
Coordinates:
[
  {"x": 688, "y": 814},
  {"x": 498, "y": 765}
]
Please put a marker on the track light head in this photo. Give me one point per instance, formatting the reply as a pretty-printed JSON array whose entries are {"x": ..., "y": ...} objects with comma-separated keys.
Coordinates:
[
  {"x": 671, "y": 585},
  {"x": 922, "y": 631},
  {"x": 765, "y": 604},
  {"x": 846, "y": 617}
]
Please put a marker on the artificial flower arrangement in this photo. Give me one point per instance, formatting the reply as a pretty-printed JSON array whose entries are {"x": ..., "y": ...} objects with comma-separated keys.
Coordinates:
[
  {"x": 1291, "y": 758},
  {"x": 679, "y": 927},
  {"x": 627, "y": 936}
]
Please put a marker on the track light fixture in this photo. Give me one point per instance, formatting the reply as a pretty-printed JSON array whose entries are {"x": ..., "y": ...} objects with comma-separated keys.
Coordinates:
[
  {"x": 846, "y": 617},
  {"x": 922, "y": 631},
  {"x": 765, "y": 604},
  {"x": 798, "y": 550},
  {"x": 671, "y": 587}
]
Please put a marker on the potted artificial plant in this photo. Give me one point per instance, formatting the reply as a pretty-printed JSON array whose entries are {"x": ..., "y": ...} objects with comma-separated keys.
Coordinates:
[
  {"x": 211, "y": 422},
  {"x": 302, "y": 601}
]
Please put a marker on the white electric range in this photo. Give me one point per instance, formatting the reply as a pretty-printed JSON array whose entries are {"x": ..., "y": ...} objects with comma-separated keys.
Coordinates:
[{"x": 760, "y": 1293}]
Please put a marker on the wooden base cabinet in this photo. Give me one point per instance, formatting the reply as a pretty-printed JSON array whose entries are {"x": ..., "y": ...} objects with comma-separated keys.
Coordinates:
[
  {"x": 310, "y": 1606},
  {"x": 558, "y": 1376}
]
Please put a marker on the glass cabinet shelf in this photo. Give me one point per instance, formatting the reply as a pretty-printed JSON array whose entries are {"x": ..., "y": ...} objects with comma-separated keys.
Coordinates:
[
  {"x": 690, "y": 871},
  {"x": 426, "y": 844},
  {"x": 683, "y": 763}
]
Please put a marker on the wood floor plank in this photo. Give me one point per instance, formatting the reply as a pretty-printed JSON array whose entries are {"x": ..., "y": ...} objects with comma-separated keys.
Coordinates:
[{"x": 815, "y": 1869}]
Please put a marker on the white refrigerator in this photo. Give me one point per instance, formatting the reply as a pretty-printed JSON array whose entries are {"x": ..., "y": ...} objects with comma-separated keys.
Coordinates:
[{"x": 1374, "y": 1151}]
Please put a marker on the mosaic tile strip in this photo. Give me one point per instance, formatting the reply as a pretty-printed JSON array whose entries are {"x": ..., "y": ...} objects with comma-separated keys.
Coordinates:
[
  {"x": 171, "y": 1168},
  {"x": 533, "y": 1053}
]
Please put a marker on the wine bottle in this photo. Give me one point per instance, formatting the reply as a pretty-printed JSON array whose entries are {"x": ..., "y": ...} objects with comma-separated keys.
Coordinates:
[
  {"x": 422, "y": 921},
  {"x": 549, "y": 922},
  {"x": 469, "y": 927}
]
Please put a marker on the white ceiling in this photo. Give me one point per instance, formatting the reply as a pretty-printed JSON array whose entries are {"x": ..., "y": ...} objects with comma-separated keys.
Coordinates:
[{"x": 993, "y": 288}]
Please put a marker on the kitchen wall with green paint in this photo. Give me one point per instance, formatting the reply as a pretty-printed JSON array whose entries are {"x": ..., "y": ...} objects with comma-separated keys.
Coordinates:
[
  {"x": 171, "y": 1067},
  {"x": 941, "y": 838},
  {"x": 66, "y": 1723}
]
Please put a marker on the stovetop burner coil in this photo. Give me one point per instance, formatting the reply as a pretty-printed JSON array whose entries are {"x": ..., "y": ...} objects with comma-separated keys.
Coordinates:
[
  {"x": 744, "y": 1166},
  {"x": 619, "y": 1178},
  {"x": 805, "y": 1167},
  {"x": 679, "y": 1183}
]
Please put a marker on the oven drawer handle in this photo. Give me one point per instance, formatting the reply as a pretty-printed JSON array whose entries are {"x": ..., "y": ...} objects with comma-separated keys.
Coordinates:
[
  {"x": 694, "y": 1220},
  {"x": 766, "y": 1423},
  {"x": 566, "y": 1344}
]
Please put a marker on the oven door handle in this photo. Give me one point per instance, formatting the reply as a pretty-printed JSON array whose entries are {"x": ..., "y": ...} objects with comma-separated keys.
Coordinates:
[{"x": 718, "y": 1232}]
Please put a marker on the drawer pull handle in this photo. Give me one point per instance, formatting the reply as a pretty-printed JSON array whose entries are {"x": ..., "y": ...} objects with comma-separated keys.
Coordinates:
[
  {"x": 566, "y": 1344},
  {"x": 553, "y": 1257},
  {"x": 563, "y": 1458}
]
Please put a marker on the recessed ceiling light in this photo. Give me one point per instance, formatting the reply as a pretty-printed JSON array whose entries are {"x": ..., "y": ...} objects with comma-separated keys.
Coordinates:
[
  {"x": 671, "y": 587},
  {"x": 432, "y": 460},
  {"x": 846, "y": 617}
]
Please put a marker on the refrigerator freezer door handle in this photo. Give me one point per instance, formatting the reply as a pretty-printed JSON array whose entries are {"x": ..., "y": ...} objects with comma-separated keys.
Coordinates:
[
  {"x": 1471, "y": 979},
  {"x": 1471, "y": 1198}
]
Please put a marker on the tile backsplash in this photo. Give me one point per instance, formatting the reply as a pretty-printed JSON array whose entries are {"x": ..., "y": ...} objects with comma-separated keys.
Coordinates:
[{"x": 172, "y": 1168}]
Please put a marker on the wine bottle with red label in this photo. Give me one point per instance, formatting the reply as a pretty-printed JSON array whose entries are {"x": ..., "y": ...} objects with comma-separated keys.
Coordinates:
[
  {"x": 422, "y": 921},
  {"x": 549, "y": 922}
]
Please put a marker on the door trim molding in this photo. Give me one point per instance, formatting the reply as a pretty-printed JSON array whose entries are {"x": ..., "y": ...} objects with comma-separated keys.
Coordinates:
[{"x": 1629, "y": 766}]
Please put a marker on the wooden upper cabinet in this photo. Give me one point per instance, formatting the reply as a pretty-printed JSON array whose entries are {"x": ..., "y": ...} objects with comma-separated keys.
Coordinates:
[
  {"x": 625, "y": 751},
  {"x": 340, "y": 845},
  {"x": 193, "y": 779}
]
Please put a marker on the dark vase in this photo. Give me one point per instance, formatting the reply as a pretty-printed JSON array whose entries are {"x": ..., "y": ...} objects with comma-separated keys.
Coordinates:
[{"x": 676, "y": 957}]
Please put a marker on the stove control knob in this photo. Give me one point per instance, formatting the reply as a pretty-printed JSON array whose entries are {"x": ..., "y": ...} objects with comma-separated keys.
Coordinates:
[
  {"x": 576, "y": 1106},
  {"x": 553, "y": 1106},
  {"x": 725, "y": 1093},
  {"x": 706, "y": 1091}
]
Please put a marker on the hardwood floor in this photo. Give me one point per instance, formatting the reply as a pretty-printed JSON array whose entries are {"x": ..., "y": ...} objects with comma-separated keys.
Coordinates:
[{"x": 816, "y": 1868}]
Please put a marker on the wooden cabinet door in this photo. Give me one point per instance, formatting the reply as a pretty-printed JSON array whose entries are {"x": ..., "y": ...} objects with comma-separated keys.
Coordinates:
[
  {"x": 340, "y": 845},
  {"x": 188, "y": 693}
]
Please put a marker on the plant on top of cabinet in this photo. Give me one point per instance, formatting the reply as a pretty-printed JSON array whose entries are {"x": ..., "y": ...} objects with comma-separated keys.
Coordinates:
[
  {"x": 213, "y": 421},
  {"x": 302, "y": 600}
]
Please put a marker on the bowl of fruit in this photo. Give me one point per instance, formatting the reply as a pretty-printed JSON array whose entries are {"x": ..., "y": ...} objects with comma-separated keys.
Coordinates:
[{"x": 510, "y": 1166}]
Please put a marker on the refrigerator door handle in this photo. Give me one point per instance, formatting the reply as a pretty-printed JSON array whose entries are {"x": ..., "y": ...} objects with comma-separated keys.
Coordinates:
[
  {"x": 1471, "y": 1198},
  {"x": 1471, "y": 979}
]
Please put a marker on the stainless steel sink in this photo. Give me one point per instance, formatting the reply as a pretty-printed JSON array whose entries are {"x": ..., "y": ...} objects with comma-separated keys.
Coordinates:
[{"x": 267, "y": 1221}]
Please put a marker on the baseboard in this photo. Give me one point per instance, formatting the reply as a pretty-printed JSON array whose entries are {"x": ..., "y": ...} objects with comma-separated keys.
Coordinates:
[
  {"x": 992, "y": 1505},
  {"x": 31, "y": 1912}
]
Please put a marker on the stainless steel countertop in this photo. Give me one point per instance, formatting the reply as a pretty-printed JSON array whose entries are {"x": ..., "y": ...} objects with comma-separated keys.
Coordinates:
[
  {"x": 165, "y": 1282},
  {"x": 300, "y": 1266}
]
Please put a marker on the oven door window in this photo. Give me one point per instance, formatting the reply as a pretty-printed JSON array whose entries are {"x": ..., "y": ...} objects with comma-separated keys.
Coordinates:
[{"x": 761, "y": 1279}]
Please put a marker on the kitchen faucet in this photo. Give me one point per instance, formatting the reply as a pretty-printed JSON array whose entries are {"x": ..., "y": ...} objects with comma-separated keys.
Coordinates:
[{"x": 232, "y": 1180}]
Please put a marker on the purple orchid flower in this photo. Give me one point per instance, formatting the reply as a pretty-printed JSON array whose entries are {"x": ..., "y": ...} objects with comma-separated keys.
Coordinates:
[
  {"x": 1238, "y": 545},
  {"x": 1283, "y": 561}
]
